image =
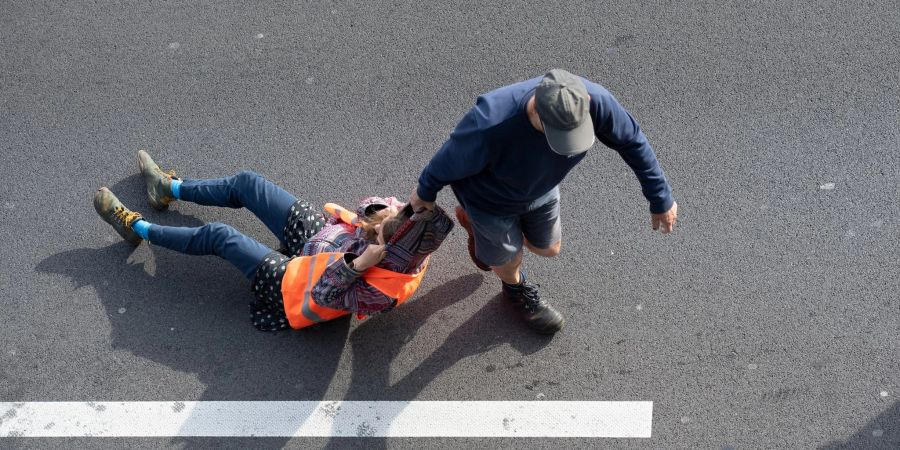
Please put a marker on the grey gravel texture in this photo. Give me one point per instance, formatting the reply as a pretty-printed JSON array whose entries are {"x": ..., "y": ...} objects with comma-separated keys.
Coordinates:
[{"x": 769, "y": 319}]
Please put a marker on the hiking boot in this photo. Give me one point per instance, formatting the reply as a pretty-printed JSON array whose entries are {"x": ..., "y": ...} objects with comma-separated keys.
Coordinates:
[
  {"x": 463, "y": 218},
  {"x": 116, "y": 214},
  {"x": 159, "y": 191},
  {"x": 538, "y": 314}
]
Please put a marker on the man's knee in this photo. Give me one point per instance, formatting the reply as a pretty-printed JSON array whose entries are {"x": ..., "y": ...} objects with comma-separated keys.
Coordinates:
[{"x": 549, "y": 251}]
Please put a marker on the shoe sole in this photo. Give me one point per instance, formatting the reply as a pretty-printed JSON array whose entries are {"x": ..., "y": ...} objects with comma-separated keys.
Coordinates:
[{"x": 562, "y": 323}]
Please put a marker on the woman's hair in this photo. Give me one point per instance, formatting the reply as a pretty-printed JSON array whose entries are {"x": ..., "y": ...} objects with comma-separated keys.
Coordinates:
[
  {"x": 390, "y": 223},
  {"x": 369, "y": 221}
]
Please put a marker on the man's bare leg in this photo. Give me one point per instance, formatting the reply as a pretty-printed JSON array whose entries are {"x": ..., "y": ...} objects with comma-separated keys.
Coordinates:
[
  {"x": 509, "y": 272},
  {"x": 548, "y": 252}
]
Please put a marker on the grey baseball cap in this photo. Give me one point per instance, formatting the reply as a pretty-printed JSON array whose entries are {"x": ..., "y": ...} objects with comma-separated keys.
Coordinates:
[{"x": 563, "y": 105}]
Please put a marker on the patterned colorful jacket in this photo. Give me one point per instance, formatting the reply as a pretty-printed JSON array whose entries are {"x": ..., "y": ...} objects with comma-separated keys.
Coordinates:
[{"x": 341, "y": 287}]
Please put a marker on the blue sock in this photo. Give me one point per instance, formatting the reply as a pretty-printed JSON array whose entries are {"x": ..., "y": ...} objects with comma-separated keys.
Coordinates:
[
  {"x": 175, "y": 187},
  {"x": 142, "y": 228}
]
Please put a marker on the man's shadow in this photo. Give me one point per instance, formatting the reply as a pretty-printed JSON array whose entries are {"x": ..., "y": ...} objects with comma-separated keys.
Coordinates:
[{"x": 376, "y": 343}]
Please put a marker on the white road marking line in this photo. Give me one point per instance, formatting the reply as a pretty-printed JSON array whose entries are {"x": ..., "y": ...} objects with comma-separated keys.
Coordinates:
[{"x": 329, "y": 418}]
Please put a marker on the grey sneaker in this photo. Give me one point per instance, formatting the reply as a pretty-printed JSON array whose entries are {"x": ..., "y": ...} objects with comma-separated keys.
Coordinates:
[
  {"x": 159, "y": 183},
  {"x": 116, "y": 214},
  {"x": 538, "y": 314}
]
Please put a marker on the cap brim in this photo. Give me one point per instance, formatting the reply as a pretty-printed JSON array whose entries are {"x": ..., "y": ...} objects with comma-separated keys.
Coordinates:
[
  {"x": 571, "y": 142},
  {"x": 373, "y": 208}
]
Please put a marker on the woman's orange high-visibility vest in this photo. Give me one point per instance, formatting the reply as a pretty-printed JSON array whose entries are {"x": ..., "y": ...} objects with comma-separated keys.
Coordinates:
[{"x": 303, "y": 272}]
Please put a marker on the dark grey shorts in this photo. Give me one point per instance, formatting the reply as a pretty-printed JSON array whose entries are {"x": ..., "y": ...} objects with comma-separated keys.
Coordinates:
[{"x": 499, "y": 238}]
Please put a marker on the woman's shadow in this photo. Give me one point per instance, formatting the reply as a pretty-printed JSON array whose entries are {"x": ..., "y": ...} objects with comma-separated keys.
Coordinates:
[{"x": 190, "y": 314}]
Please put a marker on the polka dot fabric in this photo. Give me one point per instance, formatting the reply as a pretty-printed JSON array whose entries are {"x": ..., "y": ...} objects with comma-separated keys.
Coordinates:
[
  {"x": 303, "y": 222},
  {"x": 267, "y": 310}
]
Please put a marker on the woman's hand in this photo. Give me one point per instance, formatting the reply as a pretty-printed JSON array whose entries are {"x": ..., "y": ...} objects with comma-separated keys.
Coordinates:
[{"x": 372, "y": 255}]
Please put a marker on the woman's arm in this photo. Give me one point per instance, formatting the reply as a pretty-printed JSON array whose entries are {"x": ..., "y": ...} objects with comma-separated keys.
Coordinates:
[{"x": 342, "y": 286}]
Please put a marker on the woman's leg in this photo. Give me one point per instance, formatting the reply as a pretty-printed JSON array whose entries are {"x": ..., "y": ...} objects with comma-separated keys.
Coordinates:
[
  {"x": 212, "y": 239},
  {"x": 270, "y": 203}
]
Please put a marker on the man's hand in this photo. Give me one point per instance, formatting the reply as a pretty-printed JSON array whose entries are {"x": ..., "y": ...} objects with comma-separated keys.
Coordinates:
[
  {"x": 419, "y": 205},
  {"x": 372, "y": 255},
  {"x": 665, "y": 222}
]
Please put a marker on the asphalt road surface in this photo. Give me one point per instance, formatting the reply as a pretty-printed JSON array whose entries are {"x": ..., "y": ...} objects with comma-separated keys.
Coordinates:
[{"x": 769, "y": 319}]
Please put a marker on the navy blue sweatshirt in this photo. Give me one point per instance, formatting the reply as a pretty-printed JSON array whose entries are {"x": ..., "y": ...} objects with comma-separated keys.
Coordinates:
[{"x": 496, "y": 161}]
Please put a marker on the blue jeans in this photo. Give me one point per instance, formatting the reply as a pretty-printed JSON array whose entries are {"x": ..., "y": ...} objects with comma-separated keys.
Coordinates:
[{"x": 264, "y": 199}]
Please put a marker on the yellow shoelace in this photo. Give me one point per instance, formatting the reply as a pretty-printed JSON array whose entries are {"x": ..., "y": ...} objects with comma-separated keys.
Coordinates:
[{"x": 125, "y": 216}]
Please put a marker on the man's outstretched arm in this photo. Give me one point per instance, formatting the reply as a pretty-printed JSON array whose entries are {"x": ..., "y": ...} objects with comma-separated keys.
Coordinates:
[
  {"x": 461, "y": 156},
  {"x": 615, "y": 127}
]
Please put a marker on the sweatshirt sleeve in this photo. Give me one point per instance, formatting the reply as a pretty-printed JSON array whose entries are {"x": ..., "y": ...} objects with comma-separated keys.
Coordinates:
[
  {"x": 461, "y": 156},
  {"x": 616, "y": 129}
]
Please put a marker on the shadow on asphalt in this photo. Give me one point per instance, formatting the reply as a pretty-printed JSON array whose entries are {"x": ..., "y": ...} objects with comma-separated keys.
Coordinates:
[
  {"x": 883, "y": 432},
  {"x": 485, "y": 330},
  {"x": 190, "y": 314},
  {"x": 200, "y": 325},
  {"x": 215, "y": 341}
]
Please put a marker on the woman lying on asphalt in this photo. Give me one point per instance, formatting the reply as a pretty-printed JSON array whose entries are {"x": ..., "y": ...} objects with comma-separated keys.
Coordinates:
[{"x": 363, "y": 263}]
